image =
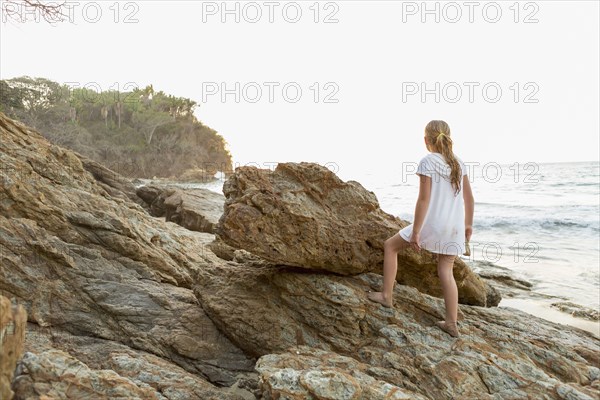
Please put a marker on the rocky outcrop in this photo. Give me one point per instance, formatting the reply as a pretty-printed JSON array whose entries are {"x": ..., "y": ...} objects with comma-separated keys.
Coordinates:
[
  {"x": 194, "y": 209},
  {"x": 95, "y": 265},
  {"x": 503, "y": 353},
  {"x": 13, "y": 320},
  {"x": 303, "y": 215},
  {"x": 121, "y": 304}
]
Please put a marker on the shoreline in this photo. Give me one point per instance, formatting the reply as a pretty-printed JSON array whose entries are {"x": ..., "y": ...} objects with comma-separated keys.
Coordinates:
[
  {"x": 519, "y": 293},
  {"x": 543, "y": 310}
]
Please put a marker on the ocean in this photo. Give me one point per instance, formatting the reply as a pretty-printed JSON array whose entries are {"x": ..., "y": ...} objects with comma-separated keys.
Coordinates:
[
  {"x": 539, "y": 220},
  {"x": 542, "y": 221}
]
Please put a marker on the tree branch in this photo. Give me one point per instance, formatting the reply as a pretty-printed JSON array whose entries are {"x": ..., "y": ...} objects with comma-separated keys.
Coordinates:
[{"x": 15, "y": 10}]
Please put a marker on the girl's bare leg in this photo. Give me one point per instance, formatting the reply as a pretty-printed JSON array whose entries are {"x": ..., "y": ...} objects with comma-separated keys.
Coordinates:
[
  {"x": 445, "y": 266},
  {"x": 391, "y": 247}
]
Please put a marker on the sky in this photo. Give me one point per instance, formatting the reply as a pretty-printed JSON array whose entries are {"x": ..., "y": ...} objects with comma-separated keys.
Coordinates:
[{"x": 349, "y": 84}]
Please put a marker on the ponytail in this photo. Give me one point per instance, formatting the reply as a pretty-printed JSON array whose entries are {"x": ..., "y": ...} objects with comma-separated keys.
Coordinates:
[
  {"x": 444, "y": 144},
  {"x": 438, "y": 133}
]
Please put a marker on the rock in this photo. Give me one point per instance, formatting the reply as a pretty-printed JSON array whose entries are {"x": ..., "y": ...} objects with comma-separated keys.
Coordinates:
[
  {"x": 194, "y": 209},
  {"x": 240, "y": 256},
  {"x": 91, "y": 366},
  {"x": 13, "y": 320},
  {"x": 507, "y": 279},
  {"x": 55, "y": 374},
  {"x": 502, "y": 278},
  {"x": 150, "y": 193},
  {"x": 113, "y": 182},
  {"x": 577, "y": 310},
  {"x": 222, "y": 249},
  {"x": 305, "y": 373},
  {"x": 303, "y": 215},
  {"x": 96, "y": 265},
  {"x": 503, "y": 353}
]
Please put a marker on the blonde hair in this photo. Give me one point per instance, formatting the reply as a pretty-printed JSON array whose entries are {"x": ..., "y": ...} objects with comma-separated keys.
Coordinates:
[{"x": 438, "y": 135}]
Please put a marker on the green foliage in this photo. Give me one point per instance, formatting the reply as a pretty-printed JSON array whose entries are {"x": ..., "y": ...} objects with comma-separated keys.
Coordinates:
[{"x": 156, "y": 132}]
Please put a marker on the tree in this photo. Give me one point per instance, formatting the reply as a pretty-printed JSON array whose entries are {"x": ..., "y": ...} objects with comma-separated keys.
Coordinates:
[
  {"x": 9, "y": 97},
  {"x": 146, "y": 122}
]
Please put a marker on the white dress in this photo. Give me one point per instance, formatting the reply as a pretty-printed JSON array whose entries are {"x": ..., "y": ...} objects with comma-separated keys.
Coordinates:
[{"x": 443, "y": 230}]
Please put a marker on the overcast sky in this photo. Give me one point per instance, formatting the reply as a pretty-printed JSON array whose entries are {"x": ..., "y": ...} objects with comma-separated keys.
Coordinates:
[{"x": 515, "y": 83}]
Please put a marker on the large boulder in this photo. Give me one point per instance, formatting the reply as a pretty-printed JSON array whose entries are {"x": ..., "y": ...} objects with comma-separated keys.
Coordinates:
[
  {"x": 195, "y": 209},
  {"x": 303, "y": 215}
]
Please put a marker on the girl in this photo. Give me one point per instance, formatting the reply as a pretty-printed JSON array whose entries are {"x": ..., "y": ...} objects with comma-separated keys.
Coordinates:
[{"x": 443, "y": 221}]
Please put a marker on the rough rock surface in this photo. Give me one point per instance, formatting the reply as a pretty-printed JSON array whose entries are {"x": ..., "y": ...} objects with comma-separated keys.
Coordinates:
[
  {"x": 121, "y": 373},
  {"x": 194, "y": 209},
  {"x": 95, "y": 265},
  {"x": 310, "y": 373},
  {"x": 502, "y": 354},
  {"x": 303, "y": 215},
  {"x": 114, "y": 183},
  {"x": 13, "y": 320},
  {"x": 55, "y": 374}
]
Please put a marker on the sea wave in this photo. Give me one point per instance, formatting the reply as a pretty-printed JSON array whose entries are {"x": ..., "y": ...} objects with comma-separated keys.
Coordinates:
[{"x": 546, "y": 224}]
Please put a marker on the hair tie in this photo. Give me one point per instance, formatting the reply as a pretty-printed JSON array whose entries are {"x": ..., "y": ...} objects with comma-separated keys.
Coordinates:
[{"x": 441, "y": 134}]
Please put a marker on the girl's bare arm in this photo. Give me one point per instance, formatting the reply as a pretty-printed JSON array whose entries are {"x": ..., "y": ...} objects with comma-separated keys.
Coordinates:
[{"x": 469, "y": 206}]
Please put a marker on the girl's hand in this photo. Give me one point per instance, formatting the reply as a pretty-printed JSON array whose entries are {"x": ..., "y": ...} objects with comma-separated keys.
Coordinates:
[
  {"x": 415, "y": 238},
  {"x": 468, "y": 232}
]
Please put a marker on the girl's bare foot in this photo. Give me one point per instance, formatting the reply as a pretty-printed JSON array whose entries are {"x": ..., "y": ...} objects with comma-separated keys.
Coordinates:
[
  {"x": 449, "y": 327},
  {"x": 380, "y": 298}
]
